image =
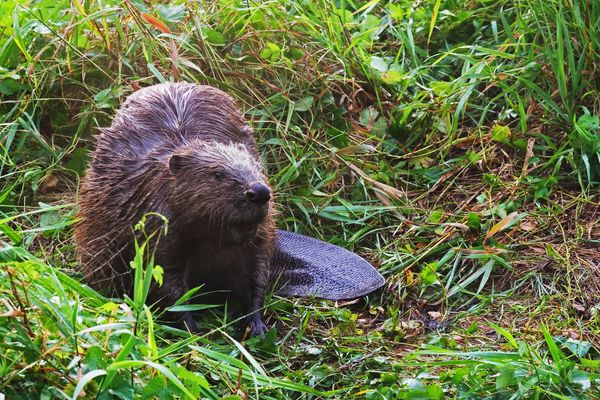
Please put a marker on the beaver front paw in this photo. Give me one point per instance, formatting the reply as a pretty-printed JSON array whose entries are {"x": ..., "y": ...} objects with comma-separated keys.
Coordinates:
[{"x": 256, "y": 327}]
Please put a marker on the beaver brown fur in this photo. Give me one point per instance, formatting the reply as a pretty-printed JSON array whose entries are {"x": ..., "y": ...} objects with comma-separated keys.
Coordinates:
[{"x": 183, "y": 151}]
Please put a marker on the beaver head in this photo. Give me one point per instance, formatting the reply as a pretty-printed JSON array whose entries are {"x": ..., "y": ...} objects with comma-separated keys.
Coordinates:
[{"x": 223, "y": 185}]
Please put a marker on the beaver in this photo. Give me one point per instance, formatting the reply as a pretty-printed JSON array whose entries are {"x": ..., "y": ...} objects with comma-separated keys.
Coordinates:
[{"x": 183, "y": 151}]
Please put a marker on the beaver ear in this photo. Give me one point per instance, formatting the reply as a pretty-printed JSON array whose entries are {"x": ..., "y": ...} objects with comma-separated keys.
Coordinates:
[{"x": 176, "y": 163}]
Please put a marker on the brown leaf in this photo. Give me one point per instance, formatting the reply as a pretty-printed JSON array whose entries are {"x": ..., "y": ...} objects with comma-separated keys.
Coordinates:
[
  {"x": 49, "y": 183},
  {"x": 579, "y": 307},
  {"x": 528, "y": 225},
  {"x": 571, "y": 333},
  {"x": 536, "y": 249},
  {"x": 458, "y": 338},
  {"x": 462, "y": 227},
  {"x": 501, "y": 225},
  {"x": 174, "y": 61},
  {"x": 436, "y": 315},
  {"x": 528, "y": 154},
  {"x": 155, "y": 22},
  {"x": 487, "y": 250},
  {"x": 421, "y": 162},
  {"x": 13, "y": 313},
  {"x": 410, "y": 325}
]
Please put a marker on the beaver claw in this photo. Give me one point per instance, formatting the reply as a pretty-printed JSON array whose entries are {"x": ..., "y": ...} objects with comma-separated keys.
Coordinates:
[{"x": 256, "y": 327}]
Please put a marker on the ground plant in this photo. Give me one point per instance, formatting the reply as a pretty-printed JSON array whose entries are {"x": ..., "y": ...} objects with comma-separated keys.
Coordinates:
[{"x": 453, "y": 144}]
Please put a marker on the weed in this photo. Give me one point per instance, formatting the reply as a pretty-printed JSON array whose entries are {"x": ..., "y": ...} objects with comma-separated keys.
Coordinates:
[{"x": 455, "y": 145}]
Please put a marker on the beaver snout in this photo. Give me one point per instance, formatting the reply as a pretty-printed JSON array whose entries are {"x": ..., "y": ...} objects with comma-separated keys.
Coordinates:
[{"x": 258, "y": 193}]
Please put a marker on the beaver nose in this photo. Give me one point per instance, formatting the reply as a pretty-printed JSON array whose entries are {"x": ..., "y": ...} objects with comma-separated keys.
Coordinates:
[{"x": 258, "y": 193}]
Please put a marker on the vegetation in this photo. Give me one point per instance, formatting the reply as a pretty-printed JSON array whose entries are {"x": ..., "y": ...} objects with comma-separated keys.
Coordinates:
[{"x": 456, "y": 145}]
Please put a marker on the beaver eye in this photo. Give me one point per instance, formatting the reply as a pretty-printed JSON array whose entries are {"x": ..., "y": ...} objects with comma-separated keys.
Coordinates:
[{"x": 218, "y": 175}]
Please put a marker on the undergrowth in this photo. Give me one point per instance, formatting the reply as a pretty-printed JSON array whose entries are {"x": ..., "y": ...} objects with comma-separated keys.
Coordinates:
[{"x": 455, "y": 145}]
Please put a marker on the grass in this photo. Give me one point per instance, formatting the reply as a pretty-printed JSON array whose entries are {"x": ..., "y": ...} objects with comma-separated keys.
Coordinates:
[{"x": 456, "y": 145}]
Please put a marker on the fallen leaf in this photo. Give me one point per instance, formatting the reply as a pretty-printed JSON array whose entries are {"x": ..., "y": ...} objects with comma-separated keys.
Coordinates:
[
  {"x": 487, "y": 250},
  {"x": 13, "y": 313},
  {"x": 435, "y": 315},
  {"x": 410, "y": 325},
  {"x": 571, "y": 333},
  {"x": 49, "y": 183},
  {"x": 528, "y": 154},
  {"x": 579, "y": 307},
  {"x": 501, "y": 225},
  {"x": 528, "y": 225},
  {"x": 458, "y": 338},
  {"x": 174, "y": 61},
  {"x": 462, "y": 227},
  {"x": 155, "y": 22}
]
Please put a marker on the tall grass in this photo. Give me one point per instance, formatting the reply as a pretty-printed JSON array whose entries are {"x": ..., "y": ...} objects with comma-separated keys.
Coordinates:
[{"x": 456, "y": 145}]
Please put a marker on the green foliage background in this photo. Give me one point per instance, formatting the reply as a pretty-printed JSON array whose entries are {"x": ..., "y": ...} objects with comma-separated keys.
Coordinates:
[{"x": 455, "y": 144}]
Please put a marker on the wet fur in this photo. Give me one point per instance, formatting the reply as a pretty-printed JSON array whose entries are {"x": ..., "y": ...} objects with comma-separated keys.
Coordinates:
[{"x": 160, "y": 155}]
